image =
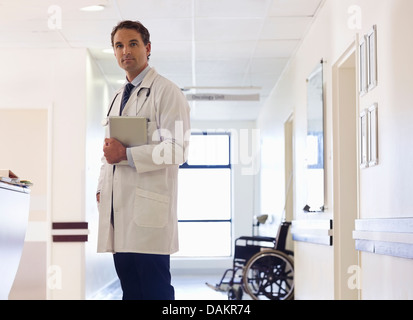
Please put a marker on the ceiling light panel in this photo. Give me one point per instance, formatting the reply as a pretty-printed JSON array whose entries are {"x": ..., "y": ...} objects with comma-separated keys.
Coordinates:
[{"x": 93, "y": 8}]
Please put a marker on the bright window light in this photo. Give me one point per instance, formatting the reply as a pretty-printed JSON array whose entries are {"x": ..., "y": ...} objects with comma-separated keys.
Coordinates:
[{"x": 204, "y": 198}]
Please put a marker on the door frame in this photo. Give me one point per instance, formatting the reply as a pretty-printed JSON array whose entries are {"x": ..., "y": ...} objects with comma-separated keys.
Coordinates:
[
  {"x": 345, "y": 171},
  {"x": 289, "y": 174}
]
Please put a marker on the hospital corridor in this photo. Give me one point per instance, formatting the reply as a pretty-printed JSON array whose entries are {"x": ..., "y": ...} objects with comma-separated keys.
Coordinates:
[{"x": 206, "y": 150}]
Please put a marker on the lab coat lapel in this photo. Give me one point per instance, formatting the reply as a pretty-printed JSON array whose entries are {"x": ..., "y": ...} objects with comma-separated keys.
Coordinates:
[{"x": 140, "y": 94}]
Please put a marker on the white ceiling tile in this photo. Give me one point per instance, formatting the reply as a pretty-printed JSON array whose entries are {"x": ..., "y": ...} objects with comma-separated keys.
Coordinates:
[
  {"x": 181, "y": 80},
  {"x": 237, "y": 43},
  {"x": 221, "y": 67},
  {"x": 294, "y": 7},
  {"x": 169, "y": 29},
  {"x": 227, "y": 29},
  {"x": 168, "y": 50},
  {"x": 214, "y": 80},
  {"x": 144, "y": 9},
  {"x": 268, "y": 65},
  {"x": 172, "y": 66},
  {"x": 88, "y": 32},
  {"x": 285, "y": 27},
  {"x": 275, "y": 48},
  {"x": 265, "y": 81},
  {"x": 231, "y": 8},
  {"x": 212, "y": 50}
]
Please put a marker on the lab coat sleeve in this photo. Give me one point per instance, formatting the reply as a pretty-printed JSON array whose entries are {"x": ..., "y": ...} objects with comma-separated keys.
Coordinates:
[{"x": 173, "y": 133}]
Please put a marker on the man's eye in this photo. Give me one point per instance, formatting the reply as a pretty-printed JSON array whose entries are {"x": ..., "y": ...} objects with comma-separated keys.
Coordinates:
[
  {"x": 133, "y": 44},
  {"x": 119, "y": 46}
]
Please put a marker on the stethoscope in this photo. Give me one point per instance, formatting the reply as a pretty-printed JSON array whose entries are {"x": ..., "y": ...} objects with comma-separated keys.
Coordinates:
[{"x": 105, "y": 121}]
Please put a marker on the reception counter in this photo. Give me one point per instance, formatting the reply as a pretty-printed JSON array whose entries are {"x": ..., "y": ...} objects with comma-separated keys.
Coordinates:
[{"x": 14, "y": 214}]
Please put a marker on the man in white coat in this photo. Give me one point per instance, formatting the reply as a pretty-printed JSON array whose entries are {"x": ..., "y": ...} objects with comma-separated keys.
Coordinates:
[{"x": 137, "y": 188}]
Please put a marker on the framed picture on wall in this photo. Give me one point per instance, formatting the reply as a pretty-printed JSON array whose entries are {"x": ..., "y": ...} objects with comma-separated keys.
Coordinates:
[
  {"x": 371, "y": 44},
  {"x": 364, "y": 148},
  {"x": 373, "y": 135},
  {"x": 363, "y": 65}
]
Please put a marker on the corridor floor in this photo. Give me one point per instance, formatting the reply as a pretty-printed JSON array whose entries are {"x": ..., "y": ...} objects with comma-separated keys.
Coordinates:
[{"x": 187, "y": 287}]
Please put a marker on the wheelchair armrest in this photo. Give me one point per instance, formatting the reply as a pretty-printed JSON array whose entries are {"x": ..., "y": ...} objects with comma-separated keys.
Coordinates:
[{"x": 256, "y": 238}]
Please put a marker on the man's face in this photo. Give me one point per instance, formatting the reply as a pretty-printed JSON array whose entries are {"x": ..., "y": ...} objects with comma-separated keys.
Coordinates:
[{"x": 130, "y": 52}]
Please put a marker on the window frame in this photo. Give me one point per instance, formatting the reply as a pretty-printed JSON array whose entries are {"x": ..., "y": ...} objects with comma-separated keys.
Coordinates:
[{"x": 187, "y": 166}]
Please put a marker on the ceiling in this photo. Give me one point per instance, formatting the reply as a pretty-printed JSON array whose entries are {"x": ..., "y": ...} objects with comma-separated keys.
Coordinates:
[{"x": 226, "y": 47}]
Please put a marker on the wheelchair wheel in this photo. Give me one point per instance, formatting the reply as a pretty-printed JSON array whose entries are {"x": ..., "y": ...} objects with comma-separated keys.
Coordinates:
[
  {"x": 269, "y": 274},
  {"x": 235, "y": 293}
]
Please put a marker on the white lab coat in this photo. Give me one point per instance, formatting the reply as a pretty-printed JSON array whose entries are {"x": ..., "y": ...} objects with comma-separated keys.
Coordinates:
[{"x": 145, "y": 197}]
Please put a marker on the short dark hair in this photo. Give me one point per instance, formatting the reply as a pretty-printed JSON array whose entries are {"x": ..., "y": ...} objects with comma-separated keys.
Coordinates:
[{"x": 135, "y": 25}]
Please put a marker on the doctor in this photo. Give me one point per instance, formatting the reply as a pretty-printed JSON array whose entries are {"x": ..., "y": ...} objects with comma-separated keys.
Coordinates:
[{"x": 137, "y": 188}]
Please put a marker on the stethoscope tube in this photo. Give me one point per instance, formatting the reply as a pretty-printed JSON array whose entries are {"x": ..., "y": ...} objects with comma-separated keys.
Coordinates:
[{"x": 105, "y": 121}]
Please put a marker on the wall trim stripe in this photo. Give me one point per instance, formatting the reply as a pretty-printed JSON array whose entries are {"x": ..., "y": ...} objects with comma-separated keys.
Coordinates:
[
  {"x": 70, "y": 238},
  {"x": 392, "y": 237},
  {"x": 70, "y": 231},
  {"x": 313, "y": 231},
  {"x": 69, "y": 225}
]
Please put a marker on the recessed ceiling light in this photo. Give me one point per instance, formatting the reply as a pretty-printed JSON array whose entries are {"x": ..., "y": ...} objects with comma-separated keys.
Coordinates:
[{"x": 93, "y": 8}]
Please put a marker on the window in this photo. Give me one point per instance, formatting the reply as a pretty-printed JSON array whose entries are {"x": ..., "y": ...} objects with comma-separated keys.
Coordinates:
[{"x": 204, "y": 197}]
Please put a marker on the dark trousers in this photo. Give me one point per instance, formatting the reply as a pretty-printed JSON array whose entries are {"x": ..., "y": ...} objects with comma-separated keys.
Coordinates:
[{"x": 144, "y": 276}]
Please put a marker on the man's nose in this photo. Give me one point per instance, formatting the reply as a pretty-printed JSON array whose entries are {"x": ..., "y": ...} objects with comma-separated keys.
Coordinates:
[{"x": 126, "y": 50}]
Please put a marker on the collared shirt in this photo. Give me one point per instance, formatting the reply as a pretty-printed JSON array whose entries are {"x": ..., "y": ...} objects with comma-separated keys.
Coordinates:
[
  {"x": 139, "y": 78},
  {"x": 136, "y": 82}
]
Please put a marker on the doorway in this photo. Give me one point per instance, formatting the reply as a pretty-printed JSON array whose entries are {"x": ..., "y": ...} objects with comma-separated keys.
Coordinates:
[{"x": 345, "y": 172}]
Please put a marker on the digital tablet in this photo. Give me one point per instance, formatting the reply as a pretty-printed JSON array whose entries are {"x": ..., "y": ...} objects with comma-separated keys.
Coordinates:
[{"x": 130, "y": 131}]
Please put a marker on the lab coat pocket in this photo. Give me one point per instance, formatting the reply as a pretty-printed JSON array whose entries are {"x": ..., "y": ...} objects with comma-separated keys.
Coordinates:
[{"x": 151, "y": 209}]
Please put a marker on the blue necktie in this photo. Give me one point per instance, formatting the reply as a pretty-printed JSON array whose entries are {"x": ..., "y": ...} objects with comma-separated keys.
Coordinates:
[{"x": 126, "y": 94}]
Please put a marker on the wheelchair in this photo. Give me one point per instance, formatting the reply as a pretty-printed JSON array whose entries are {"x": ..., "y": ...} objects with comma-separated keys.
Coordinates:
[{"x": 262, "y": 267}]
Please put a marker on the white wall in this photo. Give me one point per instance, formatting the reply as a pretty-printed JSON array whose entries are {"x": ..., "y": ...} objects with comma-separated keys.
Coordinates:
[
  {"x": 385, "y": 190},
  {"x": 99, "y": 266},
  {"x": 55, "y": 80}
]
